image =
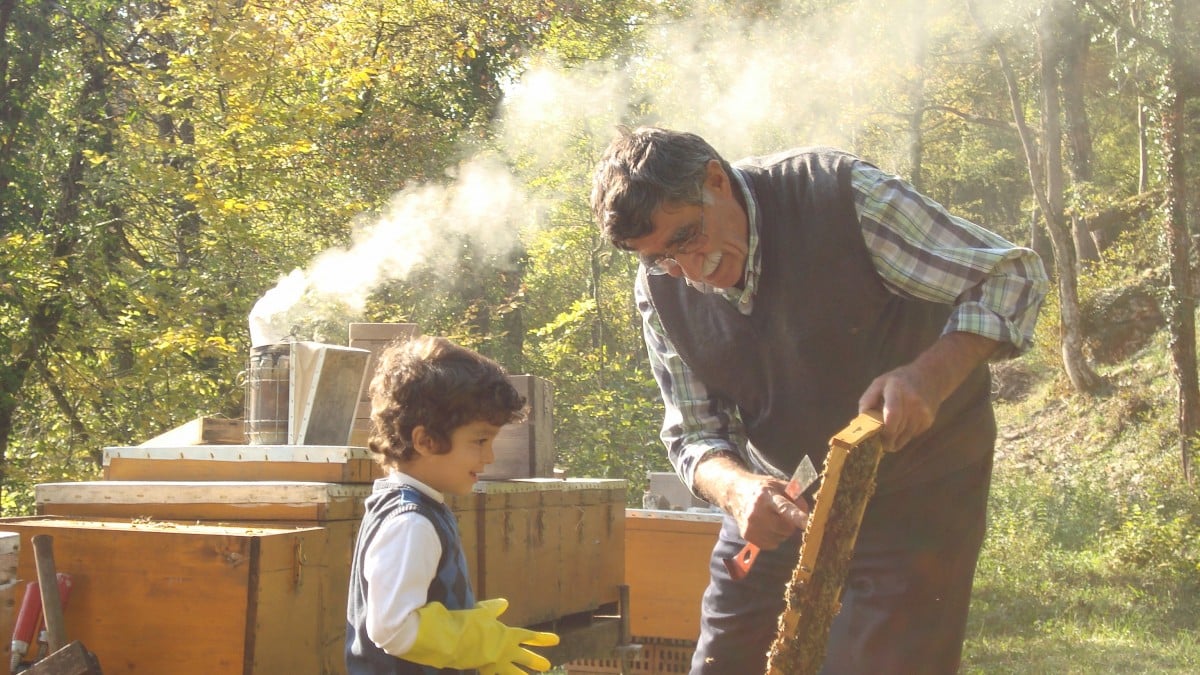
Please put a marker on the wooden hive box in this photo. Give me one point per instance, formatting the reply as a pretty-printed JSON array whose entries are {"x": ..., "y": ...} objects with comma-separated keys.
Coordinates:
[
  {"x": 593, "y": 535},
  {"x": 292, "y": 463},
  {"x": 554, "y": 548},
  {"x": 526, "y": 449},
  {"x": 664, "y": 599},
  {"x": 333, "y": 510},
  {"x": 373, "y": 337},
  {"x": 11, "y": 586},
  {"x": 187, "y": 598}
]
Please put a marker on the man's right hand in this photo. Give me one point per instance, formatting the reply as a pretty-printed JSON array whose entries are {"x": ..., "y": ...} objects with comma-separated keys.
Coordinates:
[{"x": 759, "y": 504}]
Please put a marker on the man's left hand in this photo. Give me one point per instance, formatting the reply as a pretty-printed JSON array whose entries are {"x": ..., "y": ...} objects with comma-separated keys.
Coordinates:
[{"x": 910, "y": 395}]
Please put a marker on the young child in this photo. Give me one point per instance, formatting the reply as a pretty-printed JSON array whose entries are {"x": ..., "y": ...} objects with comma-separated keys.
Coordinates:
[{"x": 436, "y": 409}]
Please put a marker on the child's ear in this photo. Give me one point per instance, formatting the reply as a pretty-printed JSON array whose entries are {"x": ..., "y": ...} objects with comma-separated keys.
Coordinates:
[{"x": 423, "y": 442}]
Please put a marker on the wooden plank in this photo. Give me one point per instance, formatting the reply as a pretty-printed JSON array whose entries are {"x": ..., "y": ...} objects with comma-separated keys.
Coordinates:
[
  {"x": 180, "y": 598},
  {"x": 555, "y": 531},
  {"x": 386, "y": 332},
  {"x": 203, "y": 500},
  {"x": 593, "y": 540},
  {"x": 11, "y": 586},
  {"x": 285, "y": 621},
  {"x": 664, "y": 600},
  {"x": 521, "y": 534},
  {"x": 10, "y": 547},
  {"x": 375, "y": 337},
  {"x": 202, "y": 431},
  {"x": 325, "y": 561},
  {"x": 291, "y": 463}
]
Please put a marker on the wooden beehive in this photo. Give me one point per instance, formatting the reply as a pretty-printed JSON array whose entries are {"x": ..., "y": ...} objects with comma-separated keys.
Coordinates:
[
  {"x": 526, "y": 449},
  {"x": 568, "y": 535},
  {"x": 188, "y": 598},
  {"x": 664, "y": 599},
  {"x": 332, "y": 510}
]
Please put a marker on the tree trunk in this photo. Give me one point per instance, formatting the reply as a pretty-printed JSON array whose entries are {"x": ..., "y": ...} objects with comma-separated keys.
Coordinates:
[
  {"x": 916, "y": 118},
  {"x": 1181, "y": 303},
  {"x": 1047, "y": 189},
  {"x": 1143, "y": 148},
  {"x": 1078, "y": 370},
  {"x": 1077, "y": 38}
]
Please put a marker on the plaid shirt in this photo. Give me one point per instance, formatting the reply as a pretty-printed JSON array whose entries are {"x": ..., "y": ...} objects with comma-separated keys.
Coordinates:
[{"x": 919, "y": 250}]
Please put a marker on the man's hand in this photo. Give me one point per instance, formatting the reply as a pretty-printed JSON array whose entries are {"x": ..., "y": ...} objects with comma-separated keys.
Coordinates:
[
  {"x": 910, "y": 395},
  {"x": 764, "y": 514}
]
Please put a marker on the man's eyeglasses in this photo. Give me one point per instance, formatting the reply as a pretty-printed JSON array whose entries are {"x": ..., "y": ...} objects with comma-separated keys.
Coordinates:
[{"x": 686, "y": 239}]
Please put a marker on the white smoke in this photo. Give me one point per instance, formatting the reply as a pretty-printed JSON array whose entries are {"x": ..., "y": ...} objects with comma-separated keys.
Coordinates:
[
  {"x": 423, "y": 225},
  {"x": 747, "y": 86}
]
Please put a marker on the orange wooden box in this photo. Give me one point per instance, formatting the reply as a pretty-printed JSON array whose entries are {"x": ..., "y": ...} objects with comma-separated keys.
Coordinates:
[
  {"x": 188, "y": 598},
  {"x": 664, "y": 597},
  {"x": 11, "y": 587},
  {"x": 332, "y": 510}
]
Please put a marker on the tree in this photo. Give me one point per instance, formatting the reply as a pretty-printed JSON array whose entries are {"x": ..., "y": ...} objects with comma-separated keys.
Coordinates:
[
  {"x": 1045, "y": 167},
  {"x": 1168, "y": 31}
]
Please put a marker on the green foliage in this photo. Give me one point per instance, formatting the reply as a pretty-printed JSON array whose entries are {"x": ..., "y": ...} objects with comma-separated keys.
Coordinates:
[{"x": 1157, "y": 539}]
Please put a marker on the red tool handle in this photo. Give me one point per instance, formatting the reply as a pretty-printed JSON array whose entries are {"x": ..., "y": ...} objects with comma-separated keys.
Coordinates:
[
  {"x": 26, "y": 626},
  {"x": 739, "y": 565}
]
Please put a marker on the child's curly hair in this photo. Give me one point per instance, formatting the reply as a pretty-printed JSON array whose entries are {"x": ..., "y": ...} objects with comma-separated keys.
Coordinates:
[{"x": 430, "y": 381}]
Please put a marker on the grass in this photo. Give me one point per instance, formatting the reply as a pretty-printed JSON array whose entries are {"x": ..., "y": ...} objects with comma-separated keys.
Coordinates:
[{"x": 1092, "y": 561}]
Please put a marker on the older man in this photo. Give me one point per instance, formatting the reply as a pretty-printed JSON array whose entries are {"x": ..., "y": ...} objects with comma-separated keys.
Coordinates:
[{"x": 780, "y": 296}]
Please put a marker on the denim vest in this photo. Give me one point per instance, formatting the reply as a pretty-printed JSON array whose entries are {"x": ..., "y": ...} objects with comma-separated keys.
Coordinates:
[
  {"x": 451, "y": 586},
  {"x": 823, "y": 327}
]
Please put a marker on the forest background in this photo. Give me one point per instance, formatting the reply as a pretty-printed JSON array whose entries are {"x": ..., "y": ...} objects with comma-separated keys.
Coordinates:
[{"x": 165, "y": 166}]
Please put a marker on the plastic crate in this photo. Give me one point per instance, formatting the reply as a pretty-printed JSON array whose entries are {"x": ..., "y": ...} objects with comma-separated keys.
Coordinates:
[{"x": 658, "y": 656}]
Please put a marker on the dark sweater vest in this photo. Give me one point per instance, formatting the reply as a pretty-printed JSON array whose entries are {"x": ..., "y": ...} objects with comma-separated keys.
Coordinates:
[
  {"x": 451, "y": 586},
  {"x": 823, "y": 327}
]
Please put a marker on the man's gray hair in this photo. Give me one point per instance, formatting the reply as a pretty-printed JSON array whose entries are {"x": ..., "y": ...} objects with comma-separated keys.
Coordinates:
[{"x": 642, "y": 169}]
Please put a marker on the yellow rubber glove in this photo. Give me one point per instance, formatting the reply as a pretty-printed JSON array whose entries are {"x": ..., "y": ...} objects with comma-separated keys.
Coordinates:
[{"x": 475, "y": 638}]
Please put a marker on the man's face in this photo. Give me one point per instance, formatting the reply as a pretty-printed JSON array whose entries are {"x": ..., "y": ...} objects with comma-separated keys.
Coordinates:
[{"x": 706, "y": 243}]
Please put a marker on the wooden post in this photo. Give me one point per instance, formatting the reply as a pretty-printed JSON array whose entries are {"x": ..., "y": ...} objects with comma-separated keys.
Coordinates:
[
  {"x": 43, "y": 555},
  {"x": 813, "y": 595}
]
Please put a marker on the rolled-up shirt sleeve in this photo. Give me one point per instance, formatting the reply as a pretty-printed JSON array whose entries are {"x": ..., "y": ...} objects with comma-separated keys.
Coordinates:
[
  {"x": 923, "y": 251},
  {"x": 696, "y": 423}
]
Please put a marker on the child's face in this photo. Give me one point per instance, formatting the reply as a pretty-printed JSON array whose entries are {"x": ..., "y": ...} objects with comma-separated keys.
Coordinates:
[{"x": 457, "y": 471}]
